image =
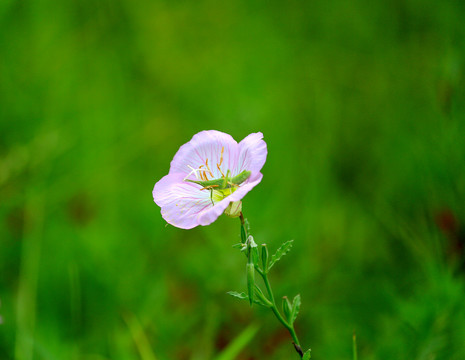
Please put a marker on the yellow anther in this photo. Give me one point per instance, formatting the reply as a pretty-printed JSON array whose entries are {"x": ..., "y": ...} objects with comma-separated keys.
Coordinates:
[
  {"x": 206, "y": 163},
  {"x": 218, "y": 166},
  {"x": 221, "y": 157},
  {"x": 209, "y": 187}
]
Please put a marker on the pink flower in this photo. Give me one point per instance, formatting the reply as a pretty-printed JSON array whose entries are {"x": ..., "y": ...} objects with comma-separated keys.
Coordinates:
[{"x": 207, "y": 174}]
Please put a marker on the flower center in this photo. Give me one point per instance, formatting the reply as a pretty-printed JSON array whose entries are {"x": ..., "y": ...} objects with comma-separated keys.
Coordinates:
[{"x": 219, "y": 188}]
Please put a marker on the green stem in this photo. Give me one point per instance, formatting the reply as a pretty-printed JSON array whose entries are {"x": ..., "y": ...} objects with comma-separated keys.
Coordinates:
[
  {"x": 275, "y": 310},
  {"x": 263, "y": 273},
  {"x": 241, "y": 217}
]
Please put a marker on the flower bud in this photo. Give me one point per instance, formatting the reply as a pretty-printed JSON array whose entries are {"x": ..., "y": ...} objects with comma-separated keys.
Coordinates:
[
  {"x": 250, "y": 281},
  {"x": 251, "y": 242},
  {"x": 234, "y": 209},
  {"x": 264, "y": 258},
  {"x": 287, "y": 308}
]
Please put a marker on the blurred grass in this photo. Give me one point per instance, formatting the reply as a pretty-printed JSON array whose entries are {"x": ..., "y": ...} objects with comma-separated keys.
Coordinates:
[{"x": 362, "y": 105}]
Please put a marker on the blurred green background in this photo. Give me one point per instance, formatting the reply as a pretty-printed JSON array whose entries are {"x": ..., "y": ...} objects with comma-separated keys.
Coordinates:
[{"x": 362, "y": 105}]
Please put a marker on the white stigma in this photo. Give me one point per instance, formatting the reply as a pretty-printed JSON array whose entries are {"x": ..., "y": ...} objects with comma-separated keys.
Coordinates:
[{"x": 194, "y": 171}]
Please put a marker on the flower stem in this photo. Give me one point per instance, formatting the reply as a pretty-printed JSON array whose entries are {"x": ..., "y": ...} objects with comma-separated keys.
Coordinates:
[
  {"x": 241, "y": 217},
  {"x": 275, "y": 310},
  {"x": 264, "y": 274}
]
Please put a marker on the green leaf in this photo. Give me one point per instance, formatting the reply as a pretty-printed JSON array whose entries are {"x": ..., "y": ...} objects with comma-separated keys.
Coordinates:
[
  {"x": 283, "y": 250},
  {"x": 295, "y": 308},
  {"x": 307, "y": 355},
  {"x": 242, "y": 295},
  {"x": 260, "y": 298},
  {"x": 237, "y": 246}
]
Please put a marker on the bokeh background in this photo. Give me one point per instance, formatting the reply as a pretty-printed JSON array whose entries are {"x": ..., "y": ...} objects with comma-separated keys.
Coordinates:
[{"x": 362, "y": 105}]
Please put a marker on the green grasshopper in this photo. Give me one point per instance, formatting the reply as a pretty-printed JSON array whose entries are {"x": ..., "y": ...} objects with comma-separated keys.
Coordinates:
[{"x": 223, "y": 183}]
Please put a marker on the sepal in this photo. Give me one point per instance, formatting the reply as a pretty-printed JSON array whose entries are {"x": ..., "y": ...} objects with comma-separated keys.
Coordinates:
[{"x": 234, "y": 209}]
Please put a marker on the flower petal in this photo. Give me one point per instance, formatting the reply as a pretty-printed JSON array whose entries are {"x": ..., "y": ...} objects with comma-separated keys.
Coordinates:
[
  {"x": 210, "y": 214},
  {"x": 180, "y": 202},
  {"x": 206, "y": 145},
  {"x": 252, "y": 153}
]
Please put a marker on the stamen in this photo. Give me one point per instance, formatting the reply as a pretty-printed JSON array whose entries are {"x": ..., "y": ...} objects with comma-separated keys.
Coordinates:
[
  {"x": 218, "y": 166},
  {"x": 209, "y": 187},
  {"x": 221, "y": 157},
  {"x": 206, "y": 163},
  {"x": 203, "y": 175}
]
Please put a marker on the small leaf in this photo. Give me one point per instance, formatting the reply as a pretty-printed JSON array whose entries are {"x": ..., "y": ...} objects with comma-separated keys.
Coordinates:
[
  {"x": 237, "y": 246},
  {"x": 295, "y": 308},
  {"x": 242, "y": 295},
  {"x": 260, "y": 298},
  {"x": 307, "y": 355},
  {"x": 283, "y": 250}
]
